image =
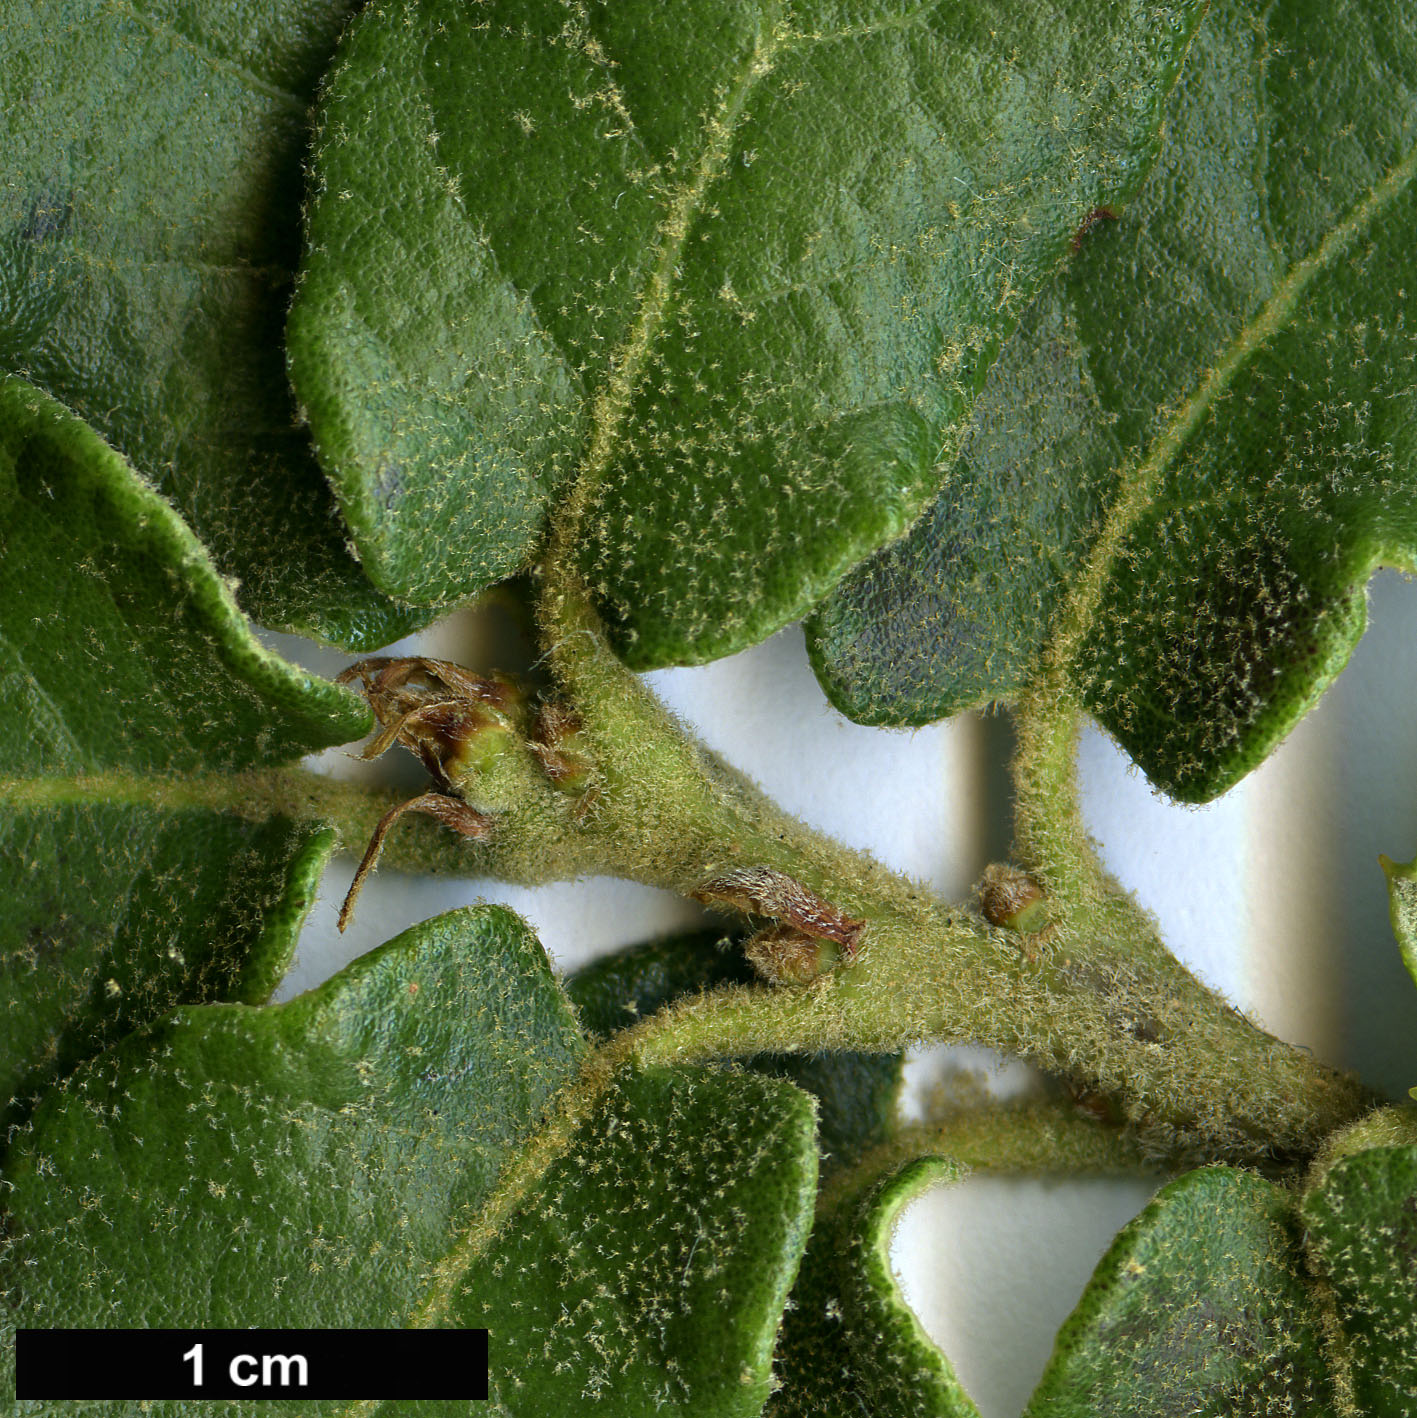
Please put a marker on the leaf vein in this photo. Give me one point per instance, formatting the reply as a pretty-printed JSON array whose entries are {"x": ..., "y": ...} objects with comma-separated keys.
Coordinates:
[
  {"x": 204, "y": 52},
  {"x": 1139, "y": 483},
  {"x": 613, "y": 401}
]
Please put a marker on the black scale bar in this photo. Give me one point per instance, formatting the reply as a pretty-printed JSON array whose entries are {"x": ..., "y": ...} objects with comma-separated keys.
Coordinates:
[{"x": 251, "y": 1363}]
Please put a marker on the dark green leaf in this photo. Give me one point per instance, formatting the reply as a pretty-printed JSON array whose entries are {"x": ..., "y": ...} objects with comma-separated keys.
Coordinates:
[
  {"x": 734, "y": 270},
  {"x": 849, "y": 1343},
  {"x": 856, "y": 1093},
  {"x": 1402, "y": 908},
  {"x": 618, "y": 990},
  {"x": 148, "y": 232},
  {"x": 115, "y": 914},
  {"x": 124, "y": 647},
  {"x": 126, "y": 663},
  {"x": 344, "y": 1160},
  {"x": 957, "y": 613},
  {"x": 1227, "y": 373},
  {"x": 649, "y": 1271},
  {"x": 1362, "y": 1233},
  {"x": 1200, "y": 1307},
  {"x": 297, "y": 1165}
]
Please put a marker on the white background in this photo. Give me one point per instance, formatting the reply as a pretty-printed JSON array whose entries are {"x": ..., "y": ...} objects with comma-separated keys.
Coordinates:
[{"x": 1272, "y": 894}]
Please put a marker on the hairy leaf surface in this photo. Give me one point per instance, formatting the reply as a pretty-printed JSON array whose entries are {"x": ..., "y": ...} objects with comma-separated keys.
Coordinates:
[
  {"x": 1402, "y": 908},
  {"x": 846, "y": 1333},
  {"x": 149, "y": 220},
  {"x": 1201, "y": 1306},
  {"x": 850, "y": 1343},
  {"x": 126, "y": 663},
  {"x": 341, "y": 1161},
  {"x": 733, "y": 271},
  {"x": 649, "y": 1271},
  {"x": 856, "y": 1093},
  {"x": 1361, "y": 1222},
  {"x": 1200, "y": 444}
]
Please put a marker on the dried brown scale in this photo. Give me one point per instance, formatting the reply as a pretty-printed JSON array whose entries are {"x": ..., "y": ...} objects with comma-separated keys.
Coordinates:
[
  {"x": 385, "y": 675},
  {"x": 1014, "y": 901},
  {"x": 554, "y": 729},
  {"x": 434, "y": 715},
  {"x": 763, "y": 891},
  {"x": 436, "y": 709},
  {"x": 1005, "y": 893},
  {"x": 1092, "y": 1104},
  {"x": 451, "y": 812}
]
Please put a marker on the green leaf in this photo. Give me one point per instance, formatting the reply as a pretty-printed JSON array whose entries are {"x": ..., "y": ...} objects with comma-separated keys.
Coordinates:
[
  {"x": 958, "y": 612},
  {"x": 734, "y": 271},
  {"x": 131, "y": 888},
  {"x": 124, "y": 647},
  {"x": 377, "y": 1153},
  {"x": 1196, "y": 450},
  {"x": 619, "y": 990},
  {"x": 850, "y": 1343},
  {"x": 115, "y": 914},
  {"x": 1200, "y": 1307},
  {"x": 650, "y": 1270},
  {"x": 298, "y": 1164},
  {"x": 1361, "y": 1224},
  {"x": 856, "y": 1093},
  {"x": 148, "y": 234},
  {"x": 1402, "y": 908}
]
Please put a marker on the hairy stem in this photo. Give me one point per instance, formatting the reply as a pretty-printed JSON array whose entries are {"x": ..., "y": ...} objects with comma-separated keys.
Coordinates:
[
  {"x": 1104, "y": 1002},
  {"x": 1049, "y": 835},
  {"x": 1030, "y": 1138}
]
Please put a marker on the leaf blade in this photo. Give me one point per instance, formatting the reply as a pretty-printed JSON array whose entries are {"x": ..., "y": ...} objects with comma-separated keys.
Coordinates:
[
  {"x": 1360, "y": 1232},
  {"x": 268, "y": 1153},
  {"x": 146, "y": 911},
  {"x": 1202, "y": 1304},
  {"x": 128, "y": 660},
  {"x": 689, "y": 1224},
  {"x": 850, "y": 1340},
  {"x": 698, "y": 156},
  {"x": 147, "y": 244},
  {"x": 1229, "y": 375}
]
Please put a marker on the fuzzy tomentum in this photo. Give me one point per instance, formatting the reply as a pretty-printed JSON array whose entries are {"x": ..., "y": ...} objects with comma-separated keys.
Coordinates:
[{"x": 1054, "y": 358}]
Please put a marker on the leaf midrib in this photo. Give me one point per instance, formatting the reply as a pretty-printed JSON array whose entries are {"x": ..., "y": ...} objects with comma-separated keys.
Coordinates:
[
  {"x": 1141, "y": 479},
  {"x": 205, "y": 54},
  {"x": 612, "y": 402},
  {"x": 251, "y": 792},
  {"x": 564, "y": 1115}
]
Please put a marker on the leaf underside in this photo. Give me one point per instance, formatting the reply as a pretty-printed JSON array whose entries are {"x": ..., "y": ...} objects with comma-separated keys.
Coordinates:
[
  {"x": 1226, "y": 373},
  {"x": 1200, "y": 1307},
  {"x": 649, "y": 1271},
  {"x": 856, "y": 1093},
  {"x": 131, "y": 888},
  {"x": 756, "y": 262},
  {"x": 134, "y": 911},
  {"x": 1361, "y": 1223},
  {"x": 149, "y": 227},
  {"x": 850, "y": 1344},
  {"x": 336, "y": 1161}
]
